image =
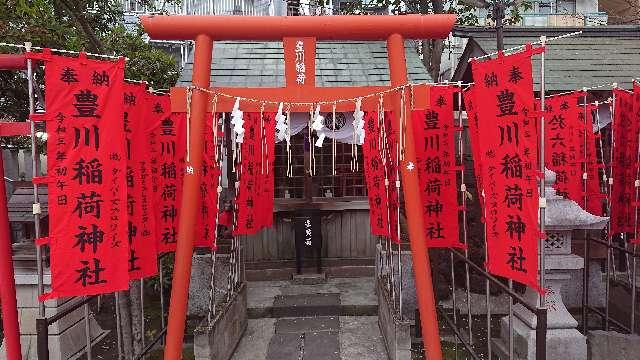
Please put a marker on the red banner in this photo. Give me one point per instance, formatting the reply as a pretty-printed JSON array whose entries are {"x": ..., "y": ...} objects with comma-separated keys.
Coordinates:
[
  {"x": 141, "y": 225},
  {"x": 391, "y": 161},
  {"x": 474, "y": 136},
  {"x": 86, "y": 171},
  {"x": 254, "y": 199},
  {"x": 508, "y": 150},
  {"x": 436, "y": 160},
  {"x": 563, "y": 135},
  {"x": 587, "y": 141},
  {"x": 268, "y": 159},
  {"x": 636, "y": 121},
  {"x": 171, "y": 148},
  {"x": 374, "y": 171},
  {"x": 205, "y": 235},
  {"x": 625, "y": 152}
]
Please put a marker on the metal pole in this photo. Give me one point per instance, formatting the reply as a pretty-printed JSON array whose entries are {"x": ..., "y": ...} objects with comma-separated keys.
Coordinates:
[
  {"x": 142, "y": 327},
  {"x": 453, "y": 302},
  {"x": 499, "y": 8},
  {"x": 541, "y": 334},
  {"x": 87, "y": 330},
  {"x": 510, "y": 321},
  {"x": 586, "y": 123},
  {"x": 7, "y": 283},
  {"x": 161, "y": 280},
  {"x": 413, "y": 206},
  {"x": 609, "y": 251},
  {"x": 188, "y": 207},
  {"x": 542, "y": 303},
  {"x": 635, "y": 238},
  {"x": 463, "y": 193},
  {"x": 42, "y": 338},
  {"x": 118, "y": 323},
  {"x": 35, "y": 170}
]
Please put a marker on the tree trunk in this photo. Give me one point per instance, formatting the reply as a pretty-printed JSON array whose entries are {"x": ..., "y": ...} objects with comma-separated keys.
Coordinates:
[
  {"x": 125, "y": 324},
  {"x": 135, "y": 292},
  {"x": 77, "y": 15},
  {"x": 432, "y": 57}
]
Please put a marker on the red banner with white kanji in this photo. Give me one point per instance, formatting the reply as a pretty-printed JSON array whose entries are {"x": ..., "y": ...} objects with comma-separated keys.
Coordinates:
[
  {"x": 141, "y": 224},
  {"x": 507, "y": 147},
  {"x": 86, "y": 176},
  {"x": 374, "y": 171},
  {"x": 625, "y": 153},
  {"x": 474, "y": 137},
  {"x": 436, "y": 160},
  {"x": 254, "y": 198}
]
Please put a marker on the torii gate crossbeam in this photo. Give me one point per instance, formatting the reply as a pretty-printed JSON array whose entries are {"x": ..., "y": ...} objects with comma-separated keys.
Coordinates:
[{"x": 204, "y": 30}]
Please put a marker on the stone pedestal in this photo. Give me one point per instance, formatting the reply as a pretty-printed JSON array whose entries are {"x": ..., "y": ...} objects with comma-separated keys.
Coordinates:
[
  {"x": 67, "y": 338},
  {"x": 383, "y": 268},
  {"x": 218, "y": 340},
  {"x": 564, "y": 341}
]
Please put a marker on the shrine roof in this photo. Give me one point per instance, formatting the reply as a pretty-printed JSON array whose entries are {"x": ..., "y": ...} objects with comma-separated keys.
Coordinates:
[
  {"x": 20, "y": 204},
  {"x": 600, "y": 55},
  {"x": 346, "y": 63}
]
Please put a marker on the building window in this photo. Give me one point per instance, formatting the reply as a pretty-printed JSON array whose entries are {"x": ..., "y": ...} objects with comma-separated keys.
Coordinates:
[
  {"x": 345, "y": 183},
  {"x": 566, "y": 7}
]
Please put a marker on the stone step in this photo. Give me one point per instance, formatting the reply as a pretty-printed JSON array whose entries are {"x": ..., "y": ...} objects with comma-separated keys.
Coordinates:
[
  {"x": 309, "y": 279},
  {"x": 286, "y": 273},
  {"x": 307, "y": 305}
]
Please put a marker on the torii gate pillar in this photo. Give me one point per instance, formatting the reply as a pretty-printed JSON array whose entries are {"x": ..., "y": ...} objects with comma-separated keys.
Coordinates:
[{"x": 206, "y": 29}]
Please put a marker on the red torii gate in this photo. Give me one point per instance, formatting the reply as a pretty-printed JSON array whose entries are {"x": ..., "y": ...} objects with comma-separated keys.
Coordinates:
[
  {"x": 7, "y": 282},
  {"x": 206, "y": 29}
]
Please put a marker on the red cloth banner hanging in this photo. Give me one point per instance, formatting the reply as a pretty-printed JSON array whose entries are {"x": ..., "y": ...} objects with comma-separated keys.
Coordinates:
[
  {"x": 391, "y": 161},
  {"x": 254, "y": 199},
  {"x": 141, "y": 224},
  {"x": 636, "y": 121},
  {"x": 563, "y": 134},
  {"x": 474, "y": 136},
  {"x": 508, "y": 141},
  {"x": 268, "y": 158},
  {"x": 205, "y": 235},
  {"x": 171, "y": 148},
  {"x": 436, "y": 160},
  {"x": 374, "y": 171},
  {"x": 587, "y": 141},
  {"x": 87, "y": 176},
  {"x": 625, "y": 132}
]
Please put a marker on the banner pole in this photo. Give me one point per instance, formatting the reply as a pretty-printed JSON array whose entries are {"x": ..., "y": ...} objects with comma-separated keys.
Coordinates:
[
  {"x": 413, "y": 207},
  {"x": 35, "y": 172},
  {"x": 188, "y": 207},
  {"x": 543, "y": 200}
]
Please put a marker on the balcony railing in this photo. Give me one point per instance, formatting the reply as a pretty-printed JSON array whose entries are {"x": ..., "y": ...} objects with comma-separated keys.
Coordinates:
[
  {"x": 555, "y": 20},
  {"x": 201, "y": 7}
]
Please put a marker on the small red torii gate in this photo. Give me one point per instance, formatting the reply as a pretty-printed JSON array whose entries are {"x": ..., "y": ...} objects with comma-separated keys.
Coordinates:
[{"x": 206, "y": 29}]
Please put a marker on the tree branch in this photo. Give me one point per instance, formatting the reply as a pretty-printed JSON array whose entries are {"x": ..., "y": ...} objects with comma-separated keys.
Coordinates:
[
  {"x": 77, "y": 15},
  {"x": 482, "y": 4}
]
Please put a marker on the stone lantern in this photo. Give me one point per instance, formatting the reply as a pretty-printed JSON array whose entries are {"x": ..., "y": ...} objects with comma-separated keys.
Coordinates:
[{"x": 563, "y": 279}]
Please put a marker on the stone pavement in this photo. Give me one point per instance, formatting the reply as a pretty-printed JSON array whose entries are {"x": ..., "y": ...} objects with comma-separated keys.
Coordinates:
[{"x": 312, "y": 322}]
